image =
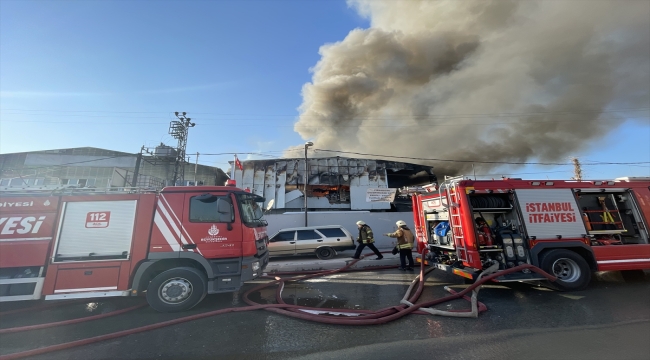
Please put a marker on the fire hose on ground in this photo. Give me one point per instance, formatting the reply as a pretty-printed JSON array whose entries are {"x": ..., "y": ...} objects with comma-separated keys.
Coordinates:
[
  {"x": 69, "y": 322},
  {"x": 350, "y": 316},
  {"x": 41, "y": 307}
]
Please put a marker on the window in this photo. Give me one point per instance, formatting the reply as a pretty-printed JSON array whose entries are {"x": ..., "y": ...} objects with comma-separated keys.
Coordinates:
[
  {"x": 205, "y": 210},
  {"x": 332, "y": 232},
  {"x": 251, "y": 211},
  {"x": 86, "y": 182},
  {"x": 21, "y": 182},
  {"x": 308, "y": 235},
  {"x": 284, "y": 236},
  {"x": 69, "y": 181},
  {"x": 18, "y": 182}
]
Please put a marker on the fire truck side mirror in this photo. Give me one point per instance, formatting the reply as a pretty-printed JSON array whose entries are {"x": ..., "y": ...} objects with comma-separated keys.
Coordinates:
[{"x": 225, "y": 210}]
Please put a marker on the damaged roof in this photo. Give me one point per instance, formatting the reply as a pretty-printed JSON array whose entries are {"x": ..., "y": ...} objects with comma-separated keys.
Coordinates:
[{"x": 340, "y": 171}]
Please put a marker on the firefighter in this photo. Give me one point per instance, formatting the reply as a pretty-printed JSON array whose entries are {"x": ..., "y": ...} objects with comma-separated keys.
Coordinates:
[
  {"x": 405, "y": 239},
  {"x": 366, "y": 239}
]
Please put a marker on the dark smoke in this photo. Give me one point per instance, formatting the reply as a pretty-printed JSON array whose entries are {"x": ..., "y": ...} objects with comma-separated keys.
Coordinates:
[{"x": 480, "y": 80}]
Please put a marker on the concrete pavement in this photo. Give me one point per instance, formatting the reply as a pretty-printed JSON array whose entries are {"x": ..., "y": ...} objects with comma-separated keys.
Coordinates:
[
  {"x": 307, "y": 263},
  {"x": 608, "y": 320}
]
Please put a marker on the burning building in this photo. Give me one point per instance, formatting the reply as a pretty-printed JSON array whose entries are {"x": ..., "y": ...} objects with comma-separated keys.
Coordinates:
[
  {"x": 334, "y": 183},
  {"x": 336, "y": 191}
]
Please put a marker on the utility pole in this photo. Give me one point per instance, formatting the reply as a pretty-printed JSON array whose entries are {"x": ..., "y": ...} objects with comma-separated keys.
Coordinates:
[
  {"x": 134, "y": 182},
  {"x": 307, "y": 145},
  {"x": 577, "y": 169},
  {"x": 178, "y": 129},
  {"x": 196, "y": 166}
]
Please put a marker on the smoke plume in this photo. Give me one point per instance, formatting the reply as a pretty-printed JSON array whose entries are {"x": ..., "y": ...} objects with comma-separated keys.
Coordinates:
[{"x": 480, "y": 80}]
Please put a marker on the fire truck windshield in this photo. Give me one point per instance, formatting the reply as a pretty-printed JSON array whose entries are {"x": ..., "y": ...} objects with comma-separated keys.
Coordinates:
[{"x": 251, "y": 212}]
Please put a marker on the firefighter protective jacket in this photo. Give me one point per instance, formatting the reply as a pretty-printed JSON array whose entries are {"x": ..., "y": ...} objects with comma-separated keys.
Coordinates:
[
  {"x": 365, "y": 235},
  {"x": 404, "y": 238}
]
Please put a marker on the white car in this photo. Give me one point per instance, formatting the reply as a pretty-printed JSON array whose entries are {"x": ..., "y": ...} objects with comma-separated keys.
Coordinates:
[{"x": 323, "y": 241}]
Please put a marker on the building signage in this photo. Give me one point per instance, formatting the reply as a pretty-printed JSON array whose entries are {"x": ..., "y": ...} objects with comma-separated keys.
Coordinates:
[{"x": 380, "y": 194}]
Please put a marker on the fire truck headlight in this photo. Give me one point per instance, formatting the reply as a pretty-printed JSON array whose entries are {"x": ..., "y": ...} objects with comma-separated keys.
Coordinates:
[{"x": 256, "y": 266}]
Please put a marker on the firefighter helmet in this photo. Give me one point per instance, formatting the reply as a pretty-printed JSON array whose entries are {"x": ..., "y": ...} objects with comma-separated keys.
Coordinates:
[
  {"x": 400, "y": 223},
  {"x": 360, "y": 222}
]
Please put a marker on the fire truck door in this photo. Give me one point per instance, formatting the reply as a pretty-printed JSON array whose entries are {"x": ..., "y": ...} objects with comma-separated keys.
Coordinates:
[
  {"x": 551, "y": 214},
  {"x": 632, "y": 252},
  {"x": 92, "y": 249},
  {"x": 212, "y": 227}
]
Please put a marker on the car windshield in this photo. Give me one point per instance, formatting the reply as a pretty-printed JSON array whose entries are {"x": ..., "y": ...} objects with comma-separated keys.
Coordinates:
[{"x": 251, "y": 210}]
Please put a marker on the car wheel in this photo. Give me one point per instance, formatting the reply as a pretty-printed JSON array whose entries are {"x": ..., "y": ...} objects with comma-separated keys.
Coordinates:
[
  {"x": 571, "y": 269},
  {"x": 177, "y": 289},
  {"x": 325, "y": 253}
]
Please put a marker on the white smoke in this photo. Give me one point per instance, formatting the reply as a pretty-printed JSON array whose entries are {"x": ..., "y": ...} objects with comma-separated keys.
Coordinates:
[{"x": 480, "y": 80}]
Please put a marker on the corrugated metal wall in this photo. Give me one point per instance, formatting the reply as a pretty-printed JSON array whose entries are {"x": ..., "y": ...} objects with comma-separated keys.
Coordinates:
[{"x": 274, "y": 178}]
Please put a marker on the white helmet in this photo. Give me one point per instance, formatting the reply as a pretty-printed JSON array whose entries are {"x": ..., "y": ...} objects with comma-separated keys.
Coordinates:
[
  {"x": 360, "y": 222},
  {"x": 400, "y": 223}
]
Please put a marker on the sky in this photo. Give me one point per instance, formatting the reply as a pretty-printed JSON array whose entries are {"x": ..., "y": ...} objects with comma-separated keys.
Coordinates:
[{"x": 111, "y": 74}]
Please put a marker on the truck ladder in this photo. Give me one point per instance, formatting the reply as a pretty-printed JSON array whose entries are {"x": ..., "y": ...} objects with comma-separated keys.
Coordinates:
[{"x": 451, "y": 184}]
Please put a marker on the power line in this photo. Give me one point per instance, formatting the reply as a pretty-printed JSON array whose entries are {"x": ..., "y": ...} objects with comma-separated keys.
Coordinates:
[
  {"x": 565, "y": 112},
  {"x": 480, "y": 161},
  {"x": 348, "y": 119},
  {"x": 524, "y": 173},
  {"x": 266, "y": 117},
  {"x": 238, "y": 153},
  {"x": 96, "y": 111},
  {"x": 593, "y": 163},
  {"x": 238, "y": 123}
]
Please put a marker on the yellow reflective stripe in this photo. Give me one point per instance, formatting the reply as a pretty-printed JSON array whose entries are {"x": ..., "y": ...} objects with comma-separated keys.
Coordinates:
[{"x": 462, "y": 273}]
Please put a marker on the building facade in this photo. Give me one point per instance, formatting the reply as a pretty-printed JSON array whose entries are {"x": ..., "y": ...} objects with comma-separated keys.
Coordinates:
[
  {"x": 334, "y": 183},
  {"x": 89, "y": 167},
  {"x": 336, "y": 192}
]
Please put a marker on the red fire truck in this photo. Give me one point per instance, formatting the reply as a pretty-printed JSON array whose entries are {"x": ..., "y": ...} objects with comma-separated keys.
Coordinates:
[
  {"x": 174, "y": 246},
  {"x": 568, "y": 228}
]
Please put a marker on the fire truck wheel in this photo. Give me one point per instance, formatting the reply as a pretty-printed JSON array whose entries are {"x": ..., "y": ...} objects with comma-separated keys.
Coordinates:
[
  {"x": 571, "y": 269},
  {"x": 325, "y": 253},
  {"x": 177, "y": 289}
]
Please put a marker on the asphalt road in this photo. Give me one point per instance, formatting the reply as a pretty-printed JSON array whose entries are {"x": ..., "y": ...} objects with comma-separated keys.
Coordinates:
[{"x": 609, "y": 320}]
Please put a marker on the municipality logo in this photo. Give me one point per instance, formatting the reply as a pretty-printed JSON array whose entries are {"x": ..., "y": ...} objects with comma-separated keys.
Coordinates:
[{"x": 213, "y": 231}]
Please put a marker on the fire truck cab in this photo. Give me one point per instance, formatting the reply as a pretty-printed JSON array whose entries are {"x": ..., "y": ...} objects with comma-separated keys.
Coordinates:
[
  {"x": 567, "y": 228},
  {"x": 173, "y": 246}
]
